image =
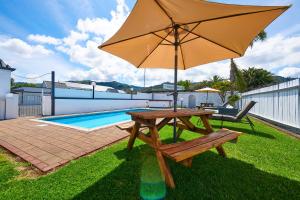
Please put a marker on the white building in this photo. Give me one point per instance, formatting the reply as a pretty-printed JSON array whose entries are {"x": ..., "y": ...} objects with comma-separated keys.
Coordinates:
[
  {"x": 5, "y": 81},
  {"x": 80, "y": 86}
]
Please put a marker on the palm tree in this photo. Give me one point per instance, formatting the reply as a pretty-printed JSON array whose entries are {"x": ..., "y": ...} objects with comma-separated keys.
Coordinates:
[
  {"x": 186, "y": 84},
  {"x": 216, "y": 79},
  {"x": 235, "y": 74},
  {"x": 257, "y": 78}
]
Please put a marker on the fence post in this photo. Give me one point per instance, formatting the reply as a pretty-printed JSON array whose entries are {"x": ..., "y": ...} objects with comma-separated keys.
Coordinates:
[{"x": 52, "y": 93}]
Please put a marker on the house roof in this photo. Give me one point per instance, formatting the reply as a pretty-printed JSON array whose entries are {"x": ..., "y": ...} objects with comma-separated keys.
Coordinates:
[
  {"x": 5, "y": 66},
  {"x": 72, "y": 85},
  {"x": 48, "y": 84},
  {"x": 32, "y": 90},
  {"x": 99, "y": 88}
]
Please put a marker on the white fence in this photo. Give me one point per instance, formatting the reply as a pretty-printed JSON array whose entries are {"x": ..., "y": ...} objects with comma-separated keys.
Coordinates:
[
  {"x": 279, "y": 103},
  {"x": 69, "y": 101}
]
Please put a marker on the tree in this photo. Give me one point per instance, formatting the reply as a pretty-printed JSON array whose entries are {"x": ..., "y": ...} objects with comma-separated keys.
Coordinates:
[
  {"x": 22, "y": 84},
  {"x": 235, "y": 74},
  {"x": 186, "y": 84},
  {"x": 256, "y": 78},
  {"x": 262, "y": 36},
  {"x": 224, "y": 86},
  {"x": 216, "y": 79},
  {"x": 236, "y": 78}
]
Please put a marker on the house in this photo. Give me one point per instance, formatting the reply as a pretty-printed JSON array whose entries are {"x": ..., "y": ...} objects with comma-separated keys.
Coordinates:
[
  {"x": 5, "y": 82},
  {"x": 79, "y": 86}
]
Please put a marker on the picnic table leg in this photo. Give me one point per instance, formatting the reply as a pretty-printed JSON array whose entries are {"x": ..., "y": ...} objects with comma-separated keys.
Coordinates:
[
  {"x": 164, "y": 168},
  {"x": 133, "y": 135},
  {"x": 208, "y": 127},
  {"x": 221, "y": 151},
  {"x": 206, "y": 123}
]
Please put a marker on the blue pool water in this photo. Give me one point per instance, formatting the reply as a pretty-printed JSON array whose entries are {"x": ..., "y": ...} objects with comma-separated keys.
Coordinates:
[{"x": 95, "y": 120}]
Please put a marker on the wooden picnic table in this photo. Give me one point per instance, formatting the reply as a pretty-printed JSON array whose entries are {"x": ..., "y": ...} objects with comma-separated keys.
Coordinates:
[{"x": 156, "y": 120}]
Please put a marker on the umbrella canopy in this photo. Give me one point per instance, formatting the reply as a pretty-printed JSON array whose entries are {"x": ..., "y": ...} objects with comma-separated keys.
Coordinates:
[
  {"x": 207, "y": 89},
  {"x": 185, "y": 33},
  {"x": 207, "y": 32}
]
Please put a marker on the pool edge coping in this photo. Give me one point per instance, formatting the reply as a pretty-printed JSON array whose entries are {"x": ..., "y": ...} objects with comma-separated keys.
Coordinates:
[{"x": 83, "y": 129}]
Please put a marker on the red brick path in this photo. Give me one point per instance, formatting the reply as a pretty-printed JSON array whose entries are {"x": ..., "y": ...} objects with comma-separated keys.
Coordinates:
[{"x": 48, "y": 147}]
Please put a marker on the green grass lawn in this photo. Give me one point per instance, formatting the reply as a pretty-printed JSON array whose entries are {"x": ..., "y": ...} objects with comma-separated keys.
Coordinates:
[{"x": 262, "y": 165}]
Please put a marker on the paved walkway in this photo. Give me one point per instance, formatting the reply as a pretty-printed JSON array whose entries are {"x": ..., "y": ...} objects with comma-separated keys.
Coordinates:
[{"x": 49, "y": 146}]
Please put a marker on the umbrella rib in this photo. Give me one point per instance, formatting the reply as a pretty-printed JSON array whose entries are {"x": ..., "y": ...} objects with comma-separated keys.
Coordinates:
[
  {"x": 163, "y": 38},
  {"x": 182, "y": 56},
  {"x": 223, "y": 17},
  {"x": 153, "y": 49},
  {"x": 166, "y": 13},
  {"x": 236, "y": 15},
  {"x": 134, "y": 37},
  {"x": 189, "y": 32},
  {"x": 212, "y": 41},
  {"x": 190, "y": 40}
]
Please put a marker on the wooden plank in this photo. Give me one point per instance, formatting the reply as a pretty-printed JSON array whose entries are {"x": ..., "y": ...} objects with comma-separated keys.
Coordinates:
[
  {"x": 193, "y": 143},
  {"x": 149, "y": 123},
  {"x": 169, "y": 113},
  {"x": 133, "y": 135},
  {"x": 188, "y": 153},
  {"x": 161, "y": 124},
  {"x": 203, "y": 139},
  {"x": 196, "y": 129},
  {"x": 186, "y": 122},
  {"x": 221, "y": 151},
  {"x": 204, "y": 119},
  {"x": 145, "y": 139},
  {"x": 187, "y": 162}
]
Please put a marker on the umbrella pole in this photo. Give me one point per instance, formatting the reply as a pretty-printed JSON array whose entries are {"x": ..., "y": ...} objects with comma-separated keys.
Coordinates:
[{"x": 176, "y": 44}]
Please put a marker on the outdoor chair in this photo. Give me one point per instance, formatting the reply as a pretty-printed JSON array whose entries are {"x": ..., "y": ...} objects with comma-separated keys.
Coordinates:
[
  {"x": 216, "y": 107},
  {"x": 222, "y": 109},
  {"x": 237, "y": 118}
]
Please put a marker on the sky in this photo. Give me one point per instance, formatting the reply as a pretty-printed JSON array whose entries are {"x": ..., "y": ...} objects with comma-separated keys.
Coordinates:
[{"x": 37, "y": 37}]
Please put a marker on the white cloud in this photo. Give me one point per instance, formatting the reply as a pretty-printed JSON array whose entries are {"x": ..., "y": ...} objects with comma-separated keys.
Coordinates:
[
  {"x": 280, "y": 52},
  {"x": 43, "y": 39},
  {"x": 33, "y": 60},
  {"x": 102, "y": 26},
  {"x": 75, "y": 37},
  {"x": 274, "y": 53},
  {"x": 293, "y": 72},
  {"x": 20, "y": 48}
]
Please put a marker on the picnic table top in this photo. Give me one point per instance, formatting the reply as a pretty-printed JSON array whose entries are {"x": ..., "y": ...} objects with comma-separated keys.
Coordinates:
[{"x": 169, "y": 113}]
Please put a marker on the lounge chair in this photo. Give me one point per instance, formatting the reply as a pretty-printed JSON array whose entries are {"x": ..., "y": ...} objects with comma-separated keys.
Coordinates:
[
  {"x": 222, "y": 109},
  {"x": 221, "y": 106},
  {"x": 237, "y": 118}
]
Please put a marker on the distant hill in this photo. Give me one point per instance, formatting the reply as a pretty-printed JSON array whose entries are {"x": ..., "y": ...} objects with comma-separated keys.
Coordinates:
[
  {"x": 113, "y": 84},
  {"x": 280, "y": 79}
]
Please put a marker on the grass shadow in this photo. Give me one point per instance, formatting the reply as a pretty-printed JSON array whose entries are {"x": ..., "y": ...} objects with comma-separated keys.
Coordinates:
[
  {"x": 231, "y": 126},
  {"x": 211, "y": 177}
]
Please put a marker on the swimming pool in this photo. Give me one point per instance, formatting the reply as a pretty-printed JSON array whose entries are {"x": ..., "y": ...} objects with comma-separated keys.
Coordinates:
[{"x": 93, "y": 121}]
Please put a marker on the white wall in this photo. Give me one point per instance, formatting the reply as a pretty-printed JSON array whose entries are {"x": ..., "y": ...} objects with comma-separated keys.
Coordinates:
[
  {"x": 71, "y": 106},
  {"x": 2, "y": 108},
  {"x": 5, "y": 76},
  {"x": 11, "y": 106},
  {"x": 46, "y": 105},
  {"x": 122, "y": 101},
  {"x": 278, "y": 103}
]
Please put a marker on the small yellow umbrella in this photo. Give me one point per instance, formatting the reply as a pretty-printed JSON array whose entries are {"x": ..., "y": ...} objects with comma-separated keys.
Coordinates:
[{"x": 208, "y": 90}]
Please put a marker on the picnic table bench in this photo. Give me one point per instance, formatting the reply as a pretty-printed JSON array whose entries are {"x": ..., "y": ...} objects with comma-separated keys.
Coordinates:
[{"x": 182, "y": 152}]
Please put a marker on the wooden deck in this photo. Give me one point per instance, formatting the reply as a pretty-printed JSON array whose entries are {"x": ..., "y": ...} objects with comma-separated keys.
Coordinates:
[{"x": 49, "y": 146}]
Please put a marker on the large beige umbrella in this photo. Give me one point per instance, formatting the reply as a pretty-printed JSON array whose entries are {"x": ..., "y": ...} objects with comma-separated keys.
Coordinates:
[
  {"x": 179, "y": 34},
  {"x": 208, "y": 90}
]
